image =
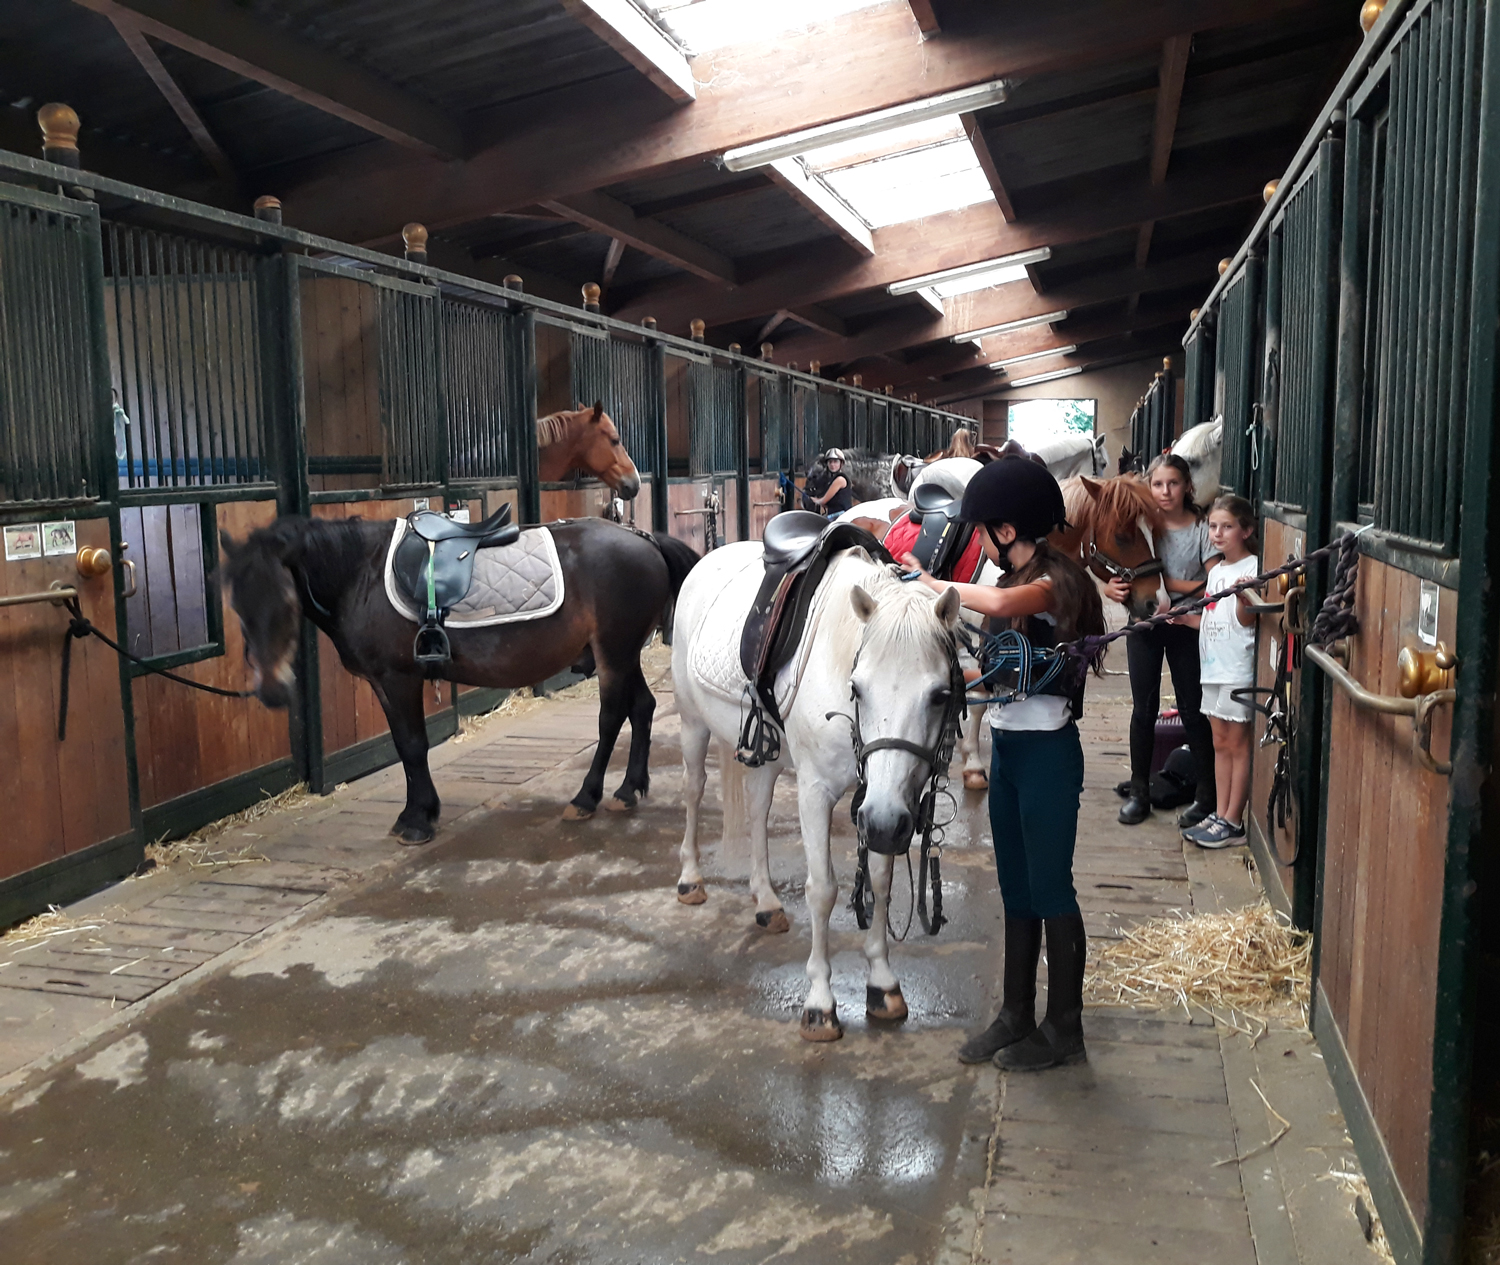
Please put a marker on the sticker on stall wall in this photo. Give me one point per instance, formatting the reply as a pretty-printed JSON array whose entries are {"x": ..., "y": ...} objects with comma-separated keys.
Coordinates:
[
  {"x": 419, "y": 503},
  {"x": 59, "y": 538},
  {"x": 1275, "y": 656},
  {"x": 460, "y": 515},
  {"x": 24, "y": 540},
  {"x": 1427, "y": 613}
]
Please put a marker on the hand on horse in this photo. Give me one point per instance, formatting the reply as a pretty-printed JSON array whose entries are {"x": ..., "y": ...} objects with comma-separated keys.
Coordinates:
[
  {"x": 1118, "y": 590},
  {"x": 916, "y": 571}
]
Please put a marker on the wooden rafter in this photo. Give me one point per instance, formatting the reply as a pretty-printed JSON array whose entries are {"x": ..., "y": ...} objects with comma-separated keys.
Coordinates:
[
  {"x": 773, "y": 323},
  {"x": 224, "y": 34},
  {"x": 1171, "y": 75},
  {"x": 185, "y": 110},
  {"x": 927, "y": 19},
  {"x": 820, "y": 200},
  {"x": 820, "y": 319},
  {"x": 502, "y": 246},
  {"x": 627, "y": 30},
  {"x": 975, "y": 132},
  {"x": 590, "y": 136},
  {"x": 750, "y": 183},
  {"x": 814, "y": 274},
  {"x": 607, "y": 215}
]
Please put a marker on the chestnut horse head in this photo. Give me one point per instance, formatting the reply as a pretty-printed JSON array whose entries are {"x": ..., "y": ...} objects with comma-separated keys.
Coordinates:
[
  {"x": 585, "y": 439},
  {"x": 1110, "y": 527}
]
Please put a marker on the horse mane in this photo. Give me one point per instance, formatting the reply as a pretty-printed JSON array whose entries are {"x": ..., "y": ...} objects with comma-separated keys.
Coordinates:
[
  {"x": 1121, "y": 501},
  {"x": 324, "y": 554},
  {"x": 553, "y": 428},
  {"x": 905, "y": 620}
]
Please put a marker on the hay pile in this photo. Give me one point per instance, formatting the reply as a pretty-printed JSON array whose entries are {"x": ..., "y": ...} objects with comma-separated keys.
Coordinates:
[
  {"x": 197, "y": 849},
  {"x": 36, "y": 931},
  {"x": 1249, "y": 963}
]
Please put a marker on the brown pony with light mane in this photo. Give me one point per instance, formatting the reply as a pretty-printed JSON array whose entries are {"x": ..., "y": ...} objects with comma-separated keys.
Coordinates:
[
  {"x": 585, "y": 439},
  {"x": 1111, "y": 523}
]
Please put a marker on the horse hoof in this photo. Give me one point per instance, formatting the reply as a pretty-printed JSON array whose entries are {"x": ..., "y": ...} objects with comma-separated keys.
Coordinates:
[
  {"x": 883, "y": 1003},
  {"x": 617, "y": 805},
  {"x": 411, "y": 836},
  {"x": 691, "y": 893},
  {"x": 573, "y": 813},
  {"x": 773, "y": 920},
  {"x": 821, "y": 1025},
  {"x": 976, "y": 780}
]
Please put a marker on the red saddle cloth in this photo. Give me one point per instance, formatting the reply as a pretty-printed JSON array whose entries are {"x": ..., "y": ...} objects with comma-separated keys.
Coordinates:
[{"x": 903, "y": 535}]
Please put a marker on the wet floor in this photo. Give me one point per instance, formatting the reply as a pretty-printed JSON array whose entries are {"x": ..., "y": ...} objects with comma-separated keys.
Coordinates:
[{"x": 523, "y": 1048}]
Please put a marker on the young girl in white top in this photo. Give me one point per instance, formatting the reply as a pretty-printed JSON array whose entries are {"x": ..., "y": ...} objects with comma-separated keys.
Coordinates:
[{"x": 1226, "y": 650}]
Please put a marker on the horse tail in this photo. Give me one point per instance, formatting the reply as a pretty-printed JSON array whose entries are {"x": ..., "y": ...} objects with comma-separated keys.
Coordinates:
[{"x": 680, "y": 559}]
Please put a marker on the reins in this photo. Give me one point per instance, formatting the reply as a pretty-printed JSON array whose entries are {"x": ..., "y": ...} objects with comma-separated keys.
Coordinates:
[{"x": 79, "y": 626}]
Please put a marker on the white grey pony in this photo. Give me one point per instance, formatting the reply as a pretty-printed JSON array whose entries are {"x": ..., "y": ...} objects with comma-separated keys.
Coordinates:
[
  {"x": 875, "y": 655},
  {"x": 1202, "y": 447},
  {"x": 1069, "y": 455}
]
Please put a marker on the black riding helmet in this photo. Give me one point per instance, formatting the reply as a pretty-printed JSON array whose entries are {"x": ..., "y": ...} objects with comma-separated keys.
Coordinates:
[{"x": 1018, "y": 492}]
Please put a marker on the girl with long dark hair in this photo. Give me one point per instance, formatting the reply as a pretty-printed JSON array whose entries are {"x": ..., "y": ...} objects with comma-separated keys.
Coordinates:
[{"x": 1185, "y": 551}]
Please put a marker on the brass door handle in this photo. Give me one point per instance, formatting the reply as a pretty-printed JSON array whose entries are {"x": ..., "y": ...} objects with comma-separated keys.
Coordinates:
[
  {"x": 131, "y": 591},
  {"x": 1419, "y": 709},
  {"x": 1425, "y": 671},
  {"x": 1421, "y": 723}
]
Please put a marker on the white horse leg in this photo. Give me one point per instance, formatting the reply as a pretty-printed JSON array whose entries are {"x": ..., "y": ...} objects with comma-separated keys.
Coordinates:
[
  {"x": 820, "y": 1019},
  {"x": 883, "y": 999},
  {"x": 690, "y": 889},
  {"x": 976, "y": 777},
  {"x": 757, "y": 789}
]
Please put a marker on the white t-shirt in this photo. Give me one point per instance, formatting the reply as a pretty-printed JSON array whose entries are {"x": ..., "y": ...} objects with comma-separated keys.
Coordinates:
[{"x": 1226, "y": 647}]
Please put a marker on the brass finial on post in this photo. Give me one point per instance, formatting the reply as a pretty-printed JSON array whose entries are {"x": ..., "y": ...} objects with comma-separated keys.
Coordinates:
[
  {"x": 765, "y": 350},
  {"x": 696, "y": 328},
  {"x": 858, "y": 379},
  {"x": 1166, "y": 364},
  {"x": 1224, "y": 266},
  {"x": 792, "y": 365},
  {"x": 590, "y": 297},
  {"x": 735, "y": 347},
  {"x": 59, "y": 124},
  {"x": 514, "y": 282},
  {"x": 887, "y": 388},
  {"x": 268, "y": 209},
  {"x": 1193, "y": 315},
  {"x": 415, "y": 237},
  {"x": 1269, "y": 191},
  {"x": 1369, "y": 14},
  {"x": 841, "y": 381},
  {"x": 648, "y": 322},
  {"x": 815, "y": 367}
]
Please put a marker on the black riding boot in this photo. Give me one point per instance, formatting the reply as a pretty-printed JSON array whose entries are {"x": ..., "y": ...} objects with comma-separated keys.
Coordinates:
[
  {"x": 1017, "y": 1017},
  {"x": 1135, "y": 809},
  {"x": 1059, "y": 1039}
]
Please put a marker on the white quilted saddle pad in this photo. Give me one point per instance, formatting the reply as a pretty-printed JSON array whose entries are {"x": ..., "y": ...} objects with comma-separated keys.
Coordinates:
[{"x": 512, "y": 583}]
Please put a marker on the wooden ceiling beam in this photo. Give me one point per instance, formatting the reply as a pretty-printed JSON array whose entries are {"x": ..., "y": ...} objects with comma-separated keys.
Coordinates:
[
  {"x": 186, "y": 112},
  {"x": 627, "y": 30},
  {"x": 816, "y": 274},
  {"x": 589, "y": 136},
  {"x": 603, "y": 214},
  {"x": 502, "y": 246},
  {"x": 927, "y": 19},
  {"x": 1171, "y": 75},
  {"x": 223, "y": 33},
  {"x": 820, "y": 319},
  {"x": 821, "y": 201},
  {"x": 751, "y": 183},
  {"x": 975, "y": 132},
  {"x": 1012, "y": 302}
]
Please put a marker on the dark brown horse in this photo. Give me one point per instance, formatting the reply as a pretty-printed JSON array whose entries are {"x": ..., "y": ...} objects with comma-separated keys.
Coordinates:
[{"x": 617, "y": 586}]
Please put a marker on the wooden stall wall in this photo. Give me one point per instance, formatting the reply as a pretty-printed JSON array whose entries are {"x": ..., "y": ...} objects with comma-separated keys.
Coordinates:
[
  {"x": 729, "y": 509},
  {"x": 59, "y": 797},
  {"x": 1383, "y": 868},
  {"x": 341, "y": 386},
  {"x": 554, "y": 371},
  {"x": 765, "y": 504},
  {"x": 588, "y": 499},
  {"x": 191, "y": 745},
  {"x": 685, "y": 498},
  {"x": 1276, "y": 844}
]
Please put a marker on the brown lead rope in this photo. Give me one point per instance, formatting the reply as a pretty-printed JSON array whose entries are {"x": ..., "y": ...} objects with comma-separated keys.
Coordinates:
[{"x": 78, "y": 627}]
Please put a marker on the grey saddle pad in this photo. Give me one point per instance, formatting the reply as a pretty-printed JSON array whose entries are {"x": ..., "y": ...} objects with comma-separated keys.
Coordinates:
[{"x": 511, "y": 582}]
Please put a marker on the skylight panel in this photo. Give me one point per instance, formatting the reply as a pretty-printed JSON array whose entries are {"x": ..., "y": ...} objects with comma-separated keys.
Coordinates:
[
  {"x": 701, "y": 26},
  {"x": 912, "y": 185}
]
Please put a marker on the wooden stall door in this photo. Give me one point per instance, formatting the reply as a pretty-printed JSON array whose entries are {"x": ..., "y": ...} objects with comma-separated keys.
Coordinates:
[
  {"x": 60, "y": 797},
  {"x": 765, "y": 504},
  {"x": 1383, "y": 870}
]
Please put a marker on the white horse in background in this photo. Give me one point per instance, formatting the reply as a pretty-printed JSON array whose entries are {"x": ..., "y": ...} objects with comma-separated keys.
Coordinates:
[
  {"x": 875, "y": 655},
  {"x": 1069, "y": 455},
  {"x": 1202, "y": 447}
]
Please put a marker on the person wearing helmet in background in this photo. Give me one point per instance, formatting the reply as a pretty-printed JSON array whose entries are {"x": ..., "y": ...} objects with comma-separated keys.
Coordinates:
[
  {"x": 1036, "y": 766},
  {"x": 834, "y": 498}
]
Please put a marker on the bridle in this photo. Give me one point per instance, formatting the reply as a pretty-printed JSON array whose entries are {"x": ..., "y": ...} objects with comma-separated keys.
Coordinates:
[
  {"x": 936, "y": 757},
  {"x": 1101, "y": 561}
]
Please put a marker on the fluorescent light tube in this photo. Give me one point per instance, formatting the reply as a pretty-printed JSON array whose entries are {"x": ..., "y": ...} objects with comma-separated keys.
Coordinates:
[
  {"x": 792, "y": 144},
  {"x": 1045, "y": 377},
  {"x": 1009, "y": 326},
  {"x": 1022, "y": 258},
  {"x": 1035, "y": 355},
  {"x": 932, "y": 299}
]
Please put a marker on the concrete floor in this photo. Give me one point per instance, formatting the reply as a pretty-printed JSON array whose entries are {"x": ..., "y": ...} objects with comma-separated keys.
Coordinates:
[{"x": 515, "y": 1045}]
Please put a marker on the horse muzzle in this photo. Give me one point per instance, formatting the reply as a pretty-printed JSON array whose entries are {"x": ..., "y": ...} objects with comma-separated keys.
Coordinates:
[
  {"x": 887, "y": 832},
  {"x": 629, "y": 486}
]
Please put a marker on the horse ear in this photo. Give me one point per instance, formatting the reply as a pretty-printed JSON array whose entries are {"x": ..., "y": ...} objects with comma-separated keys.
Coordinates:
[
  {"x": 598, "y": 411},
  {"x": 1089, "y": 486},
  {"x": 947, "y": 608},
  {"x": 864, "y": 605}
]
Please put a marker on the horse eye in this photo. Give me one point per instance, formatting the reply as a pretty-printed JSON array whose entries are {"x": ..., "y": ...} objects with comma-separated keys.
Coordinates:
[
  {"x": 614, "y": 443},
  {"x": 940, "y": 697},
  {"x": 855, "y": 690}
]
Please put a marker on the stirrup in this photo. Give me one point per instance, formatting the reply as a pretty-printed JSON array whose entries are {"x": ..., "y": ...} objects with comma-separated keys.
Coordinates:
[
  {"x": 760, "y": 738},
  {"x": 431, "y": 649}
]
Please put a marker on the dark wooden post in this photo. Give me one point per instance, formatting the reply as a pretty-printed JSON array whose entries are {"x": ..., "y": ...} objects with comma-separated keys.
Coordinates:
[{"x": 268, "y": 209}]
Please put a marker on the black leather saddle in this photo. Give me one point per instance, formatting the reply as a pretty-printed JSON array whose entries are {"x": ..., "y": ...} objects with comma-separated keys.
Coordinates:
[
  {"x": 942, "y": 539},
  {"x": 799, "y": 545},
  {"x": 434, "y": 567}
]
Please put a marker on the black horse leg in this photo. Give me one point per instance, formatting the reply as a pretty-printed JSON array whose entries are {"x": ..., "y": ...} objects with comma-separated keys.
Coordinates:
[
  {"x": 638, "y": 771},
  {"x": 614, "y": 706},
  {"x": 401, "y": 697}
]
